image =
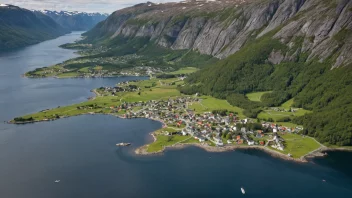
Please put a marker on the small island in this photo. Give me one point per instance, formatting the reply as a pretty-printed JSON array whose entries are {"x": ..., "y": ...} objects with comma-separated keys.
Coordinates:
[{"x": 210, "y": 123}]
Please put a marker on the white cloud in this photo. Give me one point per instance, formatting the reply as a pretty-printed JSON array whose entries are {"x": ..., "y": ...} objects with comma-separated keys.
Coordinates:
[{"x": 107, "y": 6}]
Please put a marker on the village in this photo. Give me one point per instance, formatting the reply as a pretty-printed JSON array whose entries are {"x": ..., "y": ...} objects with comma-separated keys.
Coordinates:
[
  {"x": 218, "y": 130},
  {"x": 218, "y": 127}
]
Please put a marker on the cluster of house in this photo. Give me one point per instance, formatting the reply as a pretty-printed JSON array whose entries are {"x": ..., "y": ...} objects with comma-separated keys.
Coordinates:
[
  {"x": 169, "y": 111},
  {"x": 283, "y": 109},
  {"x": 121, "y": 87},
  {"x": 212, "y": 127}
]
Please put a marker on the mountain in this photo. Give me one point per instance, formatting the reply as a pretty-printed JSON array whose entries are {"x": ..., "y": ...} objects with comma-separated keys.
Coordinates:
[
  {"x": 76, "y": 21},
  {"x": 21, "y": 27},
  {"x": 222, "y": 27},
  {"x": 300, "y": 50}
]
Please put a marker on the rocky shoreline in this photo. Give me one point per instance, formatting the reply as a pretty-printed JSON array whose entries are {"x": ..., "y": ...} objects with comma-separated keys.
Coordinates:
[
  {"x": 322, "y": 152},
  {"x": 143, "y": 150}
]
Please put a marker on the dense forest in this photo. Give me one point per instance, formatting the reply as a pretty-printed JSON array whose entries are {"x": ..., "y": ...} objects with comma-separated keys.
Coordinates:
[{"x": 312, "y": 84}]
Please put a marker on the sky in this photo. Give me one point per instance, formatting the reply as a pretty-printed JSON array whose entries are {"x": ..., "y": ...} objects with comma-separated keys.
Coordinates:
[{"x": 103, "y": 6}]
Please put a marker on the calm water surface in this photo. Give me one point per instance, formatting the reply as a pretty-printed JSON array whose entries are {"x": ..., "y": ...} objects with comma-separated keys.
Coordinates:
[{"x": 81, "y": 151}]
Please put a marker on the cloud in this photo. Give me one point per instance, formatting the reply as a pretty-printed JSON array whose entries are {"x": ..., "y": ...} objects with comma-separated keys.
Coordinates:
[{"x": 107, "y": 6}]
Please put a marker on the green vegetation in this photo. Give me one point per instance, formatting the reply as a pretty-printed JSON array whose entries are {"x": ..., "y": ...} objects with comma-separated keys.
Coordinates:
[
  {"x": 312, "y": 84},
  {"x": 21, "y": 119},
  {"x": 287, "y": 105},
  {"x": 209, "y": 104},
  {"x": 342, "y": 35},
  {"x": 192, "y": 141},
  {"x": 163, "y": 141},
  {"x": 256, "y": 96},
  {"x": 67, "y": 75},
  {"x": 20, "y": 27},
  {"x": 185, "y": 70},
  {"x": 274, "y": 115},
  {"x": 281, "y": 116},
  {"x": 298, "y": 145}
]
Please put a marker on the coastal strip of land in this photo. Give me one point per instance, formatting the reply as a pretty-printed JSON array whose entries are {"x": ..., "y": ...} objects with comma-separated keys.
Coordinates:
[{"x": 202, "y": 121}]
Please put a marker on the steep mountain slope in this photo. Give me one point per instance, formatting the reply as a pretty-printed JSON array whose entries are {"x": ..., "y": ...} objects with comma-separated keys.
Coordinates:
[
  {"x": 20, "y": 27},
  {"x": 298, "y": 49},
  {"x": 76, "y": 21},
  {"x": 220, "y": 28}
]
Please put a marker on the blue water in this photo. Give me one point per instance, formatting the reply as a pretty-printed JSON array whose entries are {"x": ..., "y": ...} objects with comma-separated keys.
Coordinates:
[{"x": 81, "y": 152}]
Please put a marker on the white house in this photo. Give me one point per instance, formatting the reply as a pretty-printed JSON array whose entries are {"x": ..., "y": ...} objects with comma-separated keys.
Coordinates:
[{"x": 218, "y": 141}]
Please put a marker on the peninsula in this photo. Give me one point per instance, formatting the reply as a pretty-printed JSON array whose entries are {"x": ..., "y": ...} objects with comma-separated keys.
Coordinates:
[{"x": 199, "y": 120}]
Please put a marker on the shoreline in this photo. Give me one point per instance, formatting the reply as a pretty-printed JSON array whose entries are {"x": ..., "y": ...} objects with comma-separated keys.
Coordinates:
[
  {"x": 143, "y": 149},
  {"x": 76, "y": 77},
  {"x": 213, "y": 149}
]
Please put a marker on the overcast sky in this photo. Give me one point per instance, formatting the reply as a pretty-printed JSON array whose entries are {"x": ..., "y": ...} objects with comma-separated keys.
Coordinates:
[{"x": 107, "y": 6}]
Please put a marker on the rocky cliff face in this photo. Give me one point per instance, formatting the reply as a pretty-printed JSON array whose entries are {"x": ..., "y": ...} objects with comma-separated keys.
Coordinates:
[{"x": 319, "y": 28}]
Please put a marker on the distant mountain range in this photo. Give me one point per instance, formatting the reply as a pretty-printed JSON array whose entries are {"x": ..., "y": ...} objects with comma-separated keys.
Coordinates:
[
  {"x": 20, "y": 27},
  {"x": 75, "y": 21}
]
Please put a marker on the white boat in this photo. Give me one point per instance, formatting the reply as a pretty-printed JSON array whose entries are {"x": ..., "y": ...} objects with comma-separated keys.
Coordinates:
[
  {"x": 242, "y": 190},
  {"x": 123, "y": 144},
  {"x": 57, "y": 181}
]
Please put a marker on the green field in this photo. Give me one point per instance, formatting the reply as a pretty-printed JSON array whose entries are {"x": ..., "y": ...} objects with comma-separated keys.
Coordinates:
[
  {"x": 276, "y": 115},
  {"x": 190, "y": 141},
  {"x": 84, "y": 69},
  {"x": 255, "y": 96},
  {"x": 67, "y": 75},
  {"x": 185, "y": 70},
  {"x": 209, "y": 103},
  {"x": 298, "y": 145},
  {"x": 163, "y": 140},
  {"x": 287, "y": 105}
]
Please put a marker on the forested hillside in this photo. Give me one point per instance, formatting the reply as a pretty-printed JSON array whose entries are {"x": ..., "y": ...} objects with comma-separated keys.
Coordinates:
[{"x": 20, "y": 27}]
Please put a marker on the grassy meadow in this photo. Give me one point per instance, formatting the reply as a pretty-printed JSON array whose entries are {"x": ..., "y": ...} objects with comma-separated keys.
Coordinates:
[
  {"x": 298, "y": 145},
  {"x": 255, "y": 96}
]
